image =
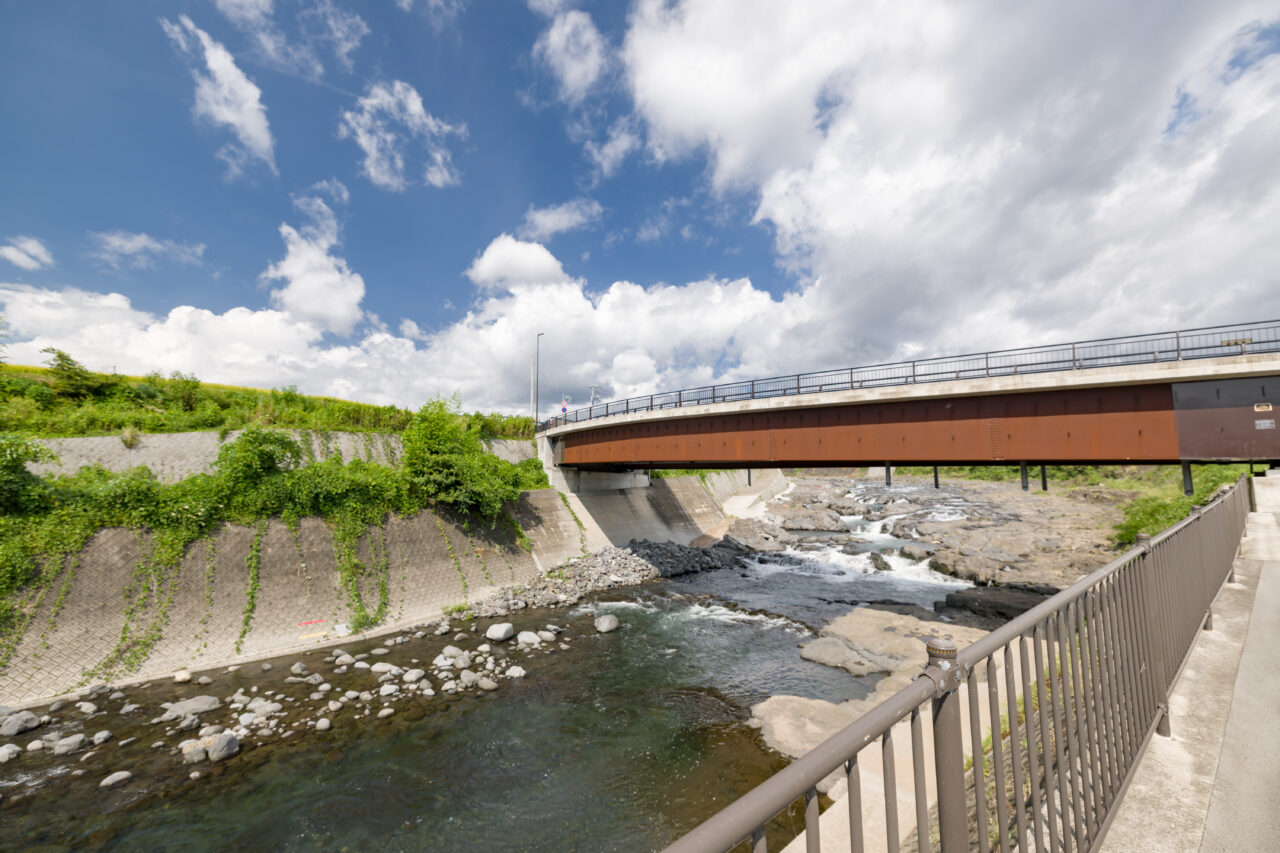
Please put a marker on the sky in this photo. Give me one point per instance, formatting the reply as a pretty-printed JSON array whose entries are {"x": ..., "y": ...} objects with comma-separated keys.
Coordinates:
[{"x": 387, "y": 200}]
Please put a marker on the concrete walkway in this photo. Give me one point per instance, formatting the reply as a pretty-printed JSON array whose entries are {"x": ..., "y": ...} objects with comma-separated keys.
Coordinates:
[{"x": 1212, "y": 786}]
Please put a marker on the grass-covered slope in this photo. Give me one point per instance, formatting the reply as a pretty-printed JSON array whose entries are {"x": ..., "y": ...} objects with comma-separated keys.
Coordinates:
[{"x": 65, "y": 399}]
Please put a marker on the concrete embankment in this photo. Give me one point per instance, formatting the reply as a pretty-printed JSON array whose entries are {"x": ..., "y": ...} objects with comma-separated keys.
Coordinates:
[{"x": 213, "y": 610}]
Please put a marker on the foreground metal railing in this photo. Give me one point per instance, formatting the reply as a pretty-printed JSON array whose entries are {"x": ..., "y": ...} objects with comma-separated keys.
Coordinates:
[
  {"x": 1069, "y": 693},
  {"x": 1208, "y": 342}
]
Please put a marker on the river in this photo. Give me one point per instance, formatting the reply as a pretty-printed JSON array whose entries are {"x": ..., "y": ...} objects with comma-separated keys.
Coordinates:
[{"x": 622, "y": 741}]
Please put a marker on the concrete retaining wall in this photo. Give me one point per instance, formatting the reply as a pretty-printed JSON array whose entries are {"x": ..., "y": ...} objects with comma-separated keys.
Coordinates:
[{"x": 173, "y": 456}]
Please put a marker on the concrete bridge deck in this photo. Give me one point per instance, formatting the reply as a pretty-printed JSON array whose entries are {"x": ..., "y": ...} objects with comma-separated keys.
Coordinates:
[{"x": 1213, "y": 784}]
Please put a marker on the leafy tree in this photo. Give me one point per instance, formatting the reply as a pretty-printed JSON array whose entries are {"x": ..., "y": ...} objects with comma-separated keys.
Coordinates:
[
  {"x": 71, "y": 378},
  {"x": 256, "y": 455}
]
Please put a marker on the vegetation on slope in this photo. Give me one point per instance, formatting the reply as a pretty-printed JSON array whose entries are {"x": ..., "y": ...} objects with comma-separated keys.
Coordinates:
[
  {"x": 67, "y": 399},
  {"x": 1153, "y": 494},
  {"x": 45, "y": 522}
]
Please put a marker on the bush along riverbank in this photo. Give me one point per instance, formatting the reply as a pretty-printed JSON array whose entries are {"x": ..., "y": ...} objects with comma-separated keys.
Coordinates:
[{"x": 46, "y": 522}]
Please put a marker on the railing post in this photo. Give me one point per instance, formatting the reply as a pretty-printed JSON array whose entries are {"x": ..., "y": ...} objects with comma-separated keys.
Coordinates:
[
  {"x": 948, "y": 748},
  {"x": 1177, "y": 339},
  {"x": 1147, "y": 577},
  {"x": 1207, "y": 572}
]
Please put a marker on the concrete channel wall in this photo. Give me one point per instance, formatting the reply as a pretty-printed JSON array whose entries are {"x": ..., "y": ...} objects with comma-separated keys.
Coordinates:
[{"x": 428, "y": 562}]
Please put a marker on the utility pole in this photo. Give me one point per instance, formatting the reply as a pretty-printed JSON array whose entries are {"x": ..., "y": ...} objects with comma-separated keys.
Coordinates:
[
  {"x": 532, "y": 412},
  {"x": 537, "y": 377}
]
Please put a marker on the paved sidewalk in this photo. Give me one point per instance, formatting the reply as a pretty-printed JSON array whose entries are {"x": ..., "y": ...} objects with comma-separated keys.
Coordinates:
[{"x": 1212, "y": 785}]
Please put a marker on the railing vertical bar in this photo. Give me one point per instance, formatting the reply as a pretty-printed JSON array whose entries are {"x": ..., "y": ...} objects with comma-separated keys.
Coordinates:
[
  {"x": 1140, "y": 663},
  {"x": 1106, "y": 715},
  {"x": 1111, "y": 645},
  {"x": 853, "y": 779},
  {"x": 979, "y": 759},
  {"x": 1045, "y": 755},
  {"x": 1125, "y": 665},
  {"x": 1015, "y": 747},
  {"x": 890, "y": 792},
  {"x": 1063, "y": 777},
  {"x": 917, "y": 772},
  {"x": 812, "y": 830},
  {"x": 1070, "y": 711},
  {"x": 1033, "y": 757},
  {"x": 997, "y": 752},
  {"x": 1086, "y": 700}
]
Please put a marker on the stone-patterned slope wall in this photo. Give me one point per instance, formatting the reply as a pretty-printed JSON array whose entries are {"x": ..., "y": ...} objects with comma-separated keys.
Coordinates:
[
  {"x": 173, "y": 456},
  {"x": 420, "y": 565}
]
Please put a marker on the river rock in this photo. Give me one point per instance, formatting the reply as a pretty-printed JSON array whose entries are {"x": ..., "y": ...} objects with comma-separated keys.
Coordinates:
[
  {"x": 101, "y": 737},
  {"x": 914, "y": 552},
  {"x": 17, "y": 723},
  {"x": 528, "y": 638},
  {"x": 516, "y": 672},
  {"x": 1002, "y": 602},
  {"x": 500, "y": 632},
  {"x": 193, "y": 752},
  {"x": 298, "y": 668},
  {"x": 606, "y": 623},
  {"x": 117, "y": 778},
  {"x": 468, "y": 678},
  {"x": 8, "y": 751},
  {"x": 323, "y": 724},
  {"x": 462, "y": 661},
  {"x": 388, "y": 689},
  {"x": 487, "y": 684},
  {"x": 86, "y": 708},
  {"x": 182, "y": 676},
  {"x": 222, "y": 746},
  {"x": 204, "y": 681},
  {"x": 386, "y": 712},
  {"x": 382, "y": 667},
  {"x": 194, "y": 705},
  {"x": 413, "y": 676},
  {"x": 546, "y": 636},
  {"x": 345, "y": 660},
  {"x": 69, "y": 744},
  {"x": 35, "y": 746}
]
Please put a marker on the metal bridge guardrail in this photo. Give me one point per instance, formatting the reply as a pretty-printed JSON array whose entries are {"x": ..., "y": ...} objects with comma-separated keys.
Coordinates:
[
  {"x": 1076, "y": 685},
  {"x": 1208, "y": 342}
]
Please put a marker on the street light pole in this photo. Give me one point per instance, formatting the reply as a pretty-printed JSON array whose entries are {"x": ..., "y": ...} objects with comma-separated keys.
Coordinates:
[{"x": 537, "y": 378}]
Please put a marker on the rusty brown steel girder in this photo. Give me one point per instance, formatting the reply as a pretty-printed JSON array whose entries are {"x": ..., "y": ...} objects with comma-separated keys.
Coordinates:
[{"x": 1140, "y": 423}]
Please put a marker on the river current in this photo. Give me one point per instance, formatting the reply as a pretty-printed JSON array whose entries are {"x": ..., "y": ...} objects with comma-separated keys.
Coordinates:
[{"x": 623, "y": 741}]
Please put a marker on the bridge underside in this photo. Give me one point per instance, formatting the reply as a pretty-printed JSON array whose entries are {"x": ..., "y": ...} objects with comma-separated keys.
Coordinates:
[{"x": 1227, "y": 420}]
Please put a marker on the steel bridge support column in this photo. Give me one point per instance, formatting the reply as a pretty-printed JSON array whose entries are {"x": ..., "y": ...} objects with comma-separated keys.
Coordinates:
[
  {"x": 888, "y": 475},
  {"x": 935, "y": 476},
  {"x": 1026, "y": 485},
  {"x": 1044, "y": 479},
  {"x": 1188, "y": 488}
]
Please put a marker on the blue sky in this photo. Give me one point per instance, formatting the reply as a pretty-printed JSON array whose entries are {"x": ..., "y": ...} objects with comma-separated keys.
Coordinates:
[{"x": 388, "y": 199}]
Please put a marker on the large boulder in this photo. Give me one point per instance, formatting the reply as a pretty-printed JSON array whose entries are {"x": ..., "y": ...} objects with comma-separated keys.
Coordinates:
[
  {"x": 17, "y": 723},
  {"x": 500, "y": 632},
  {"x": 194, "y": 705}
]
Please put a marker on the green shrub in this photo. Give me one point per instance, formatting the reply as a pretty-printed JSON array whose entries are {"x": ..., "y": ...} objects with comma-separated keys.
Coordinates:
[{"x": 20, "y": 490}]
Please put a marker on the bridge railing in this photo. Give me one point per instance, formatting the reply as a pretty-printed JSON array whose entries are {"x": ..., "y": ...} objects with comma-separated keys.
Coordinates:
[
  {"x": 1209, "y": 342},
  {"x": 1066, "y": 695}
]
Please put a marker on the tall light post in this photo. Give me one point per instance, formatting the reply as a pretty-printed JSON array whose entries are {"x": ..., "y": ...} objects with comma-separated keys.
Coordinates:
[{"x": 537, "y": 378}]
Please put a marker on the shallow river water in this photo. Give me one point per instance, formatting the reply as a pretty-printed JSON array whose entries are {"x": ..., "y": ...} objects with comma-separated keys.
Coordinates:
[{"x": 622, "y": 742}]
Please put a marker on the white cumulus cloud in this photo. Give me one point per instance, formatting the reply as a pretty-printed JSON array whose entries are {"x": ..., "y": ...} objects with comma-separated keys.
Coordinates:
[
  {"x": 319, "y": 287},
  {"x": 575, "y": 53},
  {"x": 225, "y": 97},
  {"x": 541, "y": 223},
  {"x": 27, "y": 253},
  {"x": 386, "y": 118},
  {"x": 507, "y": 261}
]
